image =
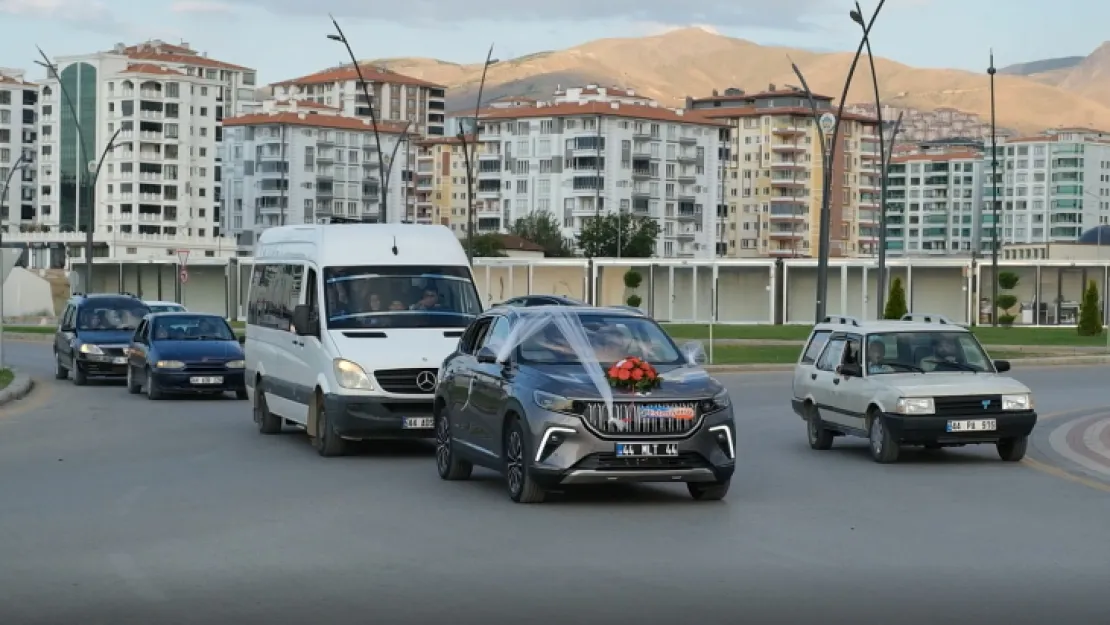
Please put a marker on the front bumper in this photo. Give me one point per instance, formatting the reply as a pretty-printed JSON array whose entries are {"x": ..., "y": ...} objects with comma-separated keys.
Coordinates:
[
  {"x": 362, "y": 418},
  {"x": 182, "y": 381},
  {"x": 565, "y": 452},
  {"x": 931, "y": 429},
  {"x": 102, "y": 366}
]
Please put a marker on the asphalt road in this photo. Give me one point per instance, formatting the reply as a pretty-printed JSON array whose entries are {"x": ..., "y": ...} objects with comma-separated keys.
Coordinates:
[{"x": 115, "y": 509}]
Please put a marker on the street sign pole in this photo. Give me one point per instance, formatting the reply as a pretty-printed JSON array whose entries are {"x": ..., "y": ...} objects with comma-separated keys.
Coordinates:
[{"x": 183, "y": 275}]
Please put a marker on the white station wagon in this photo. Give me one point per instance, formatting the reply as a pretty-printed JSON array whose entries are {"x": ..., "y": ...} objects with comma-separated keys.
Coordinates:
[{"x": 902, "y": 383}]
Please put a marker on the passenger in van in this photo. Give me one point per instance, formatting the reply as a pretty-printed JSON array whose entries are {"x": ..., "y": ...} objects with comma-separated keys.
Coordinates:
[
  {"x": 375, "y": 303},
  {"x": 430, "y": 301}
]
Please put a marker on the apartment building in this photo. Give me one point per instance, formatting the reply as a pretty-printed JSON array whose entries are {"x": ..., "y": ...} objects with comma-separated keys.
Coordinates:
[
  {"x": 158, "y": 189},
  {"x": 441, "y": 190},
  {"x": 1051, "y": 187},
  {"x": 934, "y": 200},
  {"x": 298, "y": 162},
  {"x": 578, "y": 159},
  {"x": 395, "y": 97},
  {"x": 773, "y": 176},
  {"x": 19, "y": 110}
]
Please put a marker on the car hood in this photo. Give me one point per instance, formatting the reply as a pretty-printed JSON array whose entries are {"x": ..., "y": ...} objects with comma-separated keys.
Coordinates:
[
  {"x": 106, "y": 337},
  {"x": 956, "y": 383},
  {"x": 191, "y": 351},
  {"x": 574, "y": 382}
]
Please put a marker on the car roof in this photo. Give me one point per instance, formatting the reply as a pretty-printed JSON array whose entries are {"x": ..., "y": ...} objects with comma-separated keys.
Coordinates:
[
  {"x": 584, "y": 310},
  {"x": 184, "y": 313},
  {"x": 874, "y": 327},
  {"x": 156, "y": 302}
]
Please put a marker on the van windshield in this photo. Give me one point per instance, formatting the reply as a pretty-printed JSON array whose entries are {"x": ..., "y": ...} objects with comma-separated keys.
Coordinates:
[{"x": 399, "y": 297}]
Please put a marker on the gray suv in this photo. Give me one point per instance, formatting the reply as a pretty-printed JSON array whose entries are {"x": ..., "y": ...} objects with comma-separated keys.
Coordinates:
[{"x": 523, "y": 395}]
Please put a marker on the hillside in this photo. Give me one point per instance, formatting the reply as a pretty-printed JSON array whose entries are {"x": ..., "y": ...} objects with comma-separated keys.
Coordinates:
[
  {"x": 1042, "y": 66},
  {"x": 693, "y": 62}
]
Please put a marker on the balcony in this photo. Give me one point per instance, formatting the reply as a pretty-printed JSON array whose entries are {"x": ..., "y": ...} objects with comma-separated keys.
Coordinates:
[
  {"x": 789, "y": 182},
  {"x": 785, "y": 235},
  {"x": 687, "y": 140},
  {"x": 788, "y": 146},
  {"x": 686, "y": 176},
  {"x": 640, "y": 174},
  {"x": 787, "y": 130},
  {"x": 784, "y": 163},
  {"x": 145, "y": 114},
  {"x": 686, "y": 157}
]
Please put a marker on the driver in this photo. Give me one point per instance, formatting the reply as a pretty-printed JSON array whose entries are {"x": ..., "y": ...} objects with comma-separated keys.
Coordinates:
[
  {"x": 429, "y": 301},
  {"x": 945, "y": 350}
]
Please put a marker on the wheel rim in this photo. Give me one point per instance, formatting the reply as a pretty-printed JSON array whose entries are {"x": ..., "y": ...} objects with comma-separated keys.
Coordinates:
[
  {"x": 811, "y": 428},
  {"x": 514, "y": 457},
  {"x": 443, "y": 444},
  {"x": 877, "y": 435}
]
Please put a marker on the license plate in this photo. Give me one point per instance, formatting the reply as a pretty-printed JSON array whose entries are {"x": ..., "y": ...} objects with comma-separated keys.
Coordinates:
[
  {"x": 418, "y": 423},
  {"x": 121, "y": 360},
  {"x": 646, "y": 450},
  {"x": 974, "y": 425},
  {"x": 207, "y": 380}
]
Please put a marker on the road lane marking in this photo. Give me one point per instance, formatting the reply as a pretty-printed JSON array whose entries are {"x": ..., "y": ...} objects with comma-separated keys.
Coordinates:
[{"x": 1060, "y": 444}]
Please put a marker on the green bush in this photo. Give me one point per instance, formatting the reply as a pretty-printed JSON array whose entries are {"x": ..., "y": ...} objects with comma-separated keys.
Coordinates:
[
  {"x": 634, "y": 300},
  {"x": 1090, "y": 317},
  {"x": 1006, "y": 320},
  {"x": 896, "y": 301},
  {"x": 632, "y": 279},
  {"x": 1008, "y": 280},
  {"x": 1005, "y": 302}
]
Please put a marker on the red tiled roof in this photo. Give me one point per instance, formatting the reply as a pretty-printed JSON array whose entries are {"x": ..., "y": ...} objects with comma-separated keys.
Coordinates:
[
  {"x": 609, "y": 109},
  {"x": 150, "y": 68},
  {"x": 777, "y": 93},
  {"x": 370, "y": 73},
  {"x": 165, "y": 47},
  {"x": 314, "y": 120}
]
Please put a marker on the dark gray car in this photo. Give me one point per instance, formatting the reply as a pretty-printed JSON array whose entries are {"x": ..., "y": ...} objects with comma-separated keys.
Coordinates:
[{"x": 522, "y": 395}]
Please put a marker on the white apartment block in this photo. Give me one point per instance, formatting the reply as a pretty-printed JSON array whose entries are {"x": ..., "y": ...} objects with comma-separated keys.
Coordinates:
[
  {"x": 933, "y": 204},
  {"x": 158, "y": 188},
  {"x": 299, "y": 162},
  {"x": 395, "y": 97},
  {"x": 1051, "y": 187},
  {"x": 19, "y": 110},
  {"x": 582, "y": 158}
]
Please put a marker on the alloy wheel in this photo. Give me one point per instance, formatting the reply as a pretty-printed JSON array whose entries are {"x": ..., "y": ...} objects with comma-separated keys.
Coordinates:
[
  {"x": 514, "y": 459},
  {"x": 443, "y": 444}
]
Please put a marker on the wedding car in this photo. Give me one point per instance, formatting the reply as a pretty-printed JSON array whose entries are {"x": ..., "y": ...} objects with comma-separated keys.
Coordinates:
[
  {"x": 898, "y": 383},
  {"x": 554, "y": 396}
]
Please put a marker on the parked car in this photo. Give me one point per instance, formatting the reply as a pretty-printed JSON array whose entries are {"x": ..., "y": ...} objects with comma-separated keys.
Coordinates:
[
  {"x": 92, "y": 336},
  {"x": 514, "y": 398},
  {"x": 901, "y": 383},
  {"x": 159, "y": 307},
  {"x": 185, "y": 353}
]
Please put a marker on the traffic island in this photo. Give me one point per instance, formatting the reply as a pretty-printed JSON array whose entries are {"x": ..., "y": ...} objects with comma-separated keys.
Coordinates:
[{"x": 13, "y": 385}]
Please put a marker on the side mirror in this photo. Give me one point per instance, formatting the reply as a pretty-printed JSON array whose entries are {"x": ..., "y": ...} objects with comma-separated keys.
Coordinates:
[
  {"x": 242, "y": 339},
  {"x": 694, "y": 352},
  {"x": 303, "y": 323},
  {"x": 851, "y": 371},
  {"x": 1002, "y": 366},
  {"x": 487, "y": 356}
]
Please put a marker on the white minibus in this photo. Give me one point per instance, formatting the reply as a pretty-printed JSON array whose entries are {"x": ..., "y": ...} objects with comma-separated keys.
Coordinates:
[{"x": 347, "y": 325}]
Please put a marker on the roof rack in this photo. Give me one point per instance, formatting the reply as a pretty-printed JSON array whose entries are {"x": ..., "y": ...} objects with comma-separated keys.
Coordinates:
[
  {"x": 843, "y": 320},
  {"x": 927, "y": 318}
]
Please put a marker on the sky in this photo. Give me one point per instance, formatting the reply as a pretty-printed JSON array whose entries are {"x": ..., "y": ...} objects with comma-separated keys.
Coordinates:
[{"x": 287, "y": 38}]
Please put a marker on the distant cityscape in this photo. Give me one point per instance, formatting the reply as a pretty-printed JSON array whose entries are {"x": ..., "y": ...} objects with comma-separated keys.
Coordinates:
[{"x": 205, "y": 158}]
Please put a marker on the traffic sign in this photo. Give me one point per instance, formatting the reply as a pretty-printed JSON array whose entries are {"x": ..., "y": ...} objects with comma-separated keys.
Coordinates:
[
  {"x": 184, "y": 276},
  {"x": 183, "y": 258},
  {"x": 827, "y": 122}
]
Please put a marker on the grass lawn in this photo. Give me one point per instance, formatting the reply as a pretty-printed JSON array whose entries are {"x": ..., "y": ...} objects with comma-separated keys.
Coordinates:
[
  {"x": 1067, "y": 337},
  {"x": 6, "y": 377},
  {"x": 788, "y": 354}
]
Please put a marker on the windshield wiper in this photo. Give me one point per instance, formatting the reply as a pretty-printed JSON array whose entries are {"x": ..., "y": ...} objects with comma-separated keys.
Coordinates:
[
  {"x": 903, "y": 365},
  {"x": 962, "y": 366}
]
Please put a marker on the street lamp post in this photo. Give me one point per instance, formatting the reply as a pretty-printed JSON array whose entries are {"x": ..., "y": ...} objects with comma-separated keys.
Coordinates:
[
  {"x": 341, "y": 38},
  {"x": 388, "y": 172},
  {"x": 994, "y": 203},
  {"x": 468, "y": 156},
  {"x": 19, "y": 164}
]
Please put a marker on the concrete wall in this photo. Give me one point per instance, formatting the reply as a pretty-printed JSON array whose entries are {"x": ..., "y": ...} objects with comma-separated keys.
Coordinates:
[{"x": 26, "y": 294}]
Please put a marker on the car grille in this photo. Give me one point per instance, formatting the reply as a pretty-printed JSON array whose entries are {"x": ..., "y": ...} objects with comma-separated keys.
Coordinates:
[
  {"x": 611, "y": 462},
  {"x": 205, "y": 367},
  {"x": 630, "y": 419},
  {"x": 403, "y": 381},
  {"x": 967, "y": 405}
]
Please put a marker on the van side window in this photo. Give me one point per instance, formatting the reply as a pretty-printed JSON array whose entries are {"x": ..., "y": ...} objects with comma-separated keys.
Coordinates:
[
  {"x": 67, "y": 316},
  {"x": 816, "y": 342}
]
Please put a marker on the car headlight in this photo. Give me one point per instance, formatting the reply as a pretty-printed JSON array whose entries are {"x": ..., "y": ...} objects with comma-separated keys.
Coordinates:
[
  {"x": 1023, "y": 401},
  {"x": 350, "y": 375},
  {"x": 719, "y": 402},
  {"x": 169, "y": 364},
  {"x": 236, "y": 364},
  {"x": 553, "y": 402},
  {"x": 88, "y": 348},
  {"x": 916, "y": 405}
]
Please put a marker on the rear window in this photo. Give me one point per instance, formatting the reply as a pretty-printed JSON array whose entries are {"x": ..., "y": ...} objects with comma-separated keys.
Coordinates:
[{"x": 816, "y": 344}]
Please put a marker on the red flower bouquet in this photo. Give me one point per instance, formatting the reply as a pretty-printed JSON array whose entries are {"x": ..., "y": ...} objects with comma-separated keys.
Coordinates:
[{"x": 633, "y": 374}]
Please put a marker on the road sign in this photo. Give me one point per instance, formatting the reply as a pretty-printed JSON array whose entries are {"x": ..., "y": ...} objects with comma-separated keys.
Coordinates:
[
  {"x": 184, "y": 276},
  {"x": 183, "y": 258}
]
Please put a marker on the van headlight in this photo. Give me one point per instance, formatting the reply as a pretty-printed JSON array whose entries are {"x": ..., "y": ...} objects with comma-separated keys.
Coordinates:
[
  {"x": 351, "y": 375},
  {"x": 88, "y": 348},
  {"x": 236, "y": 364},
  {"x": 553, "y": 402},
  {"x": 1022, "y": 401},
  {"x": 915, "y": 405}
]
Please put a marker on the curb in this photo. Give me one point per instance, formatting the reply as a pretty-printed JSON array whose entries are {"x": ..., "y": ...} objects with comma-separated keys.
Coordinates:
[{"x": 19, "y": 388}]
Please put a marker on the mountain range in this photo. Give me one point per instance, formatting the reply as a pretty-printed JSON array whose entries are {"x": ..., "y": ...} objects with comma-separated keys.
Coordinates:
[{"x": 1030, "y": 97}]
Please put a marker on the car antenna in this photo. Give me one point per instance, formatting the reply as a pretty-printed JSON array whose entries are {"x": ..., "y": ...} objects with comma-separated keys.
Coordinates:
[{"x": 394, "y": 245}]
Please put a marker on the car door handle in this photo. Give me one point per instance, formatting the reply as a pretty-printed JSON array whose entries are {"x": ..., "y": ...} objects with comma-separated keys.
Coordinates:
[{"x": 813, "y": 376}]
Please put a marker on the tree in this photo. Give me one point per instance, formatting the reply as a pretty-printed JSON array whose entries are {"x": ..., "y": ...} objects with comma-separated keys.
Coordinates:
[
  {"x": 1090, "y": 317},
  {"x": 1007, "y": 281},
  {"x": 488, "y": 246},
  {"x": 896, "y": 301},
  {"x": 541, "y": 228},
  {"x": 637, "y": 236}
]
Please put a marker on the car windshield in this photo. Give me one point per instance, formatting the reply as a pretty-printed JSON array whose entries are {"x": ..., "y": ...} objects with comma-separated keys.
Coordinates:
[
  {"x": 400, "y": 297},
  {"x": 191, "y": 328},
  {"x": 111, "y": 315},
  {"x": 925, "y": 352},
  {"x": 610, "y": 337}
]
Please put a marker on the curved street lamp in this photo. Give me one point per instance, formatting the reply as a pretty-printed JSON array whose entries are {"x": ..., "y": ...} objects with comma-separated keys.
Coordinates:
[
  {"x": 468, "y": 155},
  {"x": 19, "y": 164},
  {"x": 341, "y": 38}
]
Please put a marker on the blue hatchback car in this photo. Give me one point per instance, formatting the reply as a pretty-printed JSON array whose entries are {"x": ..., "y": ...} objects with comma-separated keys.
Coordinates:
[{"x": 180, "y": 352}]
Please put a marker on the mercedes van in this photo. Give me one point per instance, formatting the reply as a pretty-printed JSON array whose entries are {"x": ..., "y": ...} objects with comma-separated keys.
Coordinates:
[{"x": 347, "y": 326}]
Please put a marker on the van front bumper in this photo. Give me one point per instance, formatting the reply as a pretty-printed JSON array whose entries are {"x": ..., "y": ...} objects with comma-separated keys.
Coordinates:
[
  {"x": 929, "y": 429},
  {"x": 364, "y": 418}
]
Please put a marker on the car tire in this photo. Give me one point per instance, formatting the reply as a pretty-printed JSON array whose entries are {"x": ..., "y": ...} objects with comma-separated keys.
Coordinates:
[
  {"x": 268, "y": 422},
  {"x": 133, "y": 386},
  {"x": 882, "y": 444},
  {"x": 820, "y": 437},
  {"x": 1012, "y": 449},
  {"x": 60, "y": 372},
  {"x": 327, "y": 443},
  {"x": 708, "y": 491},
  {"x": 447, "y": 463},
  {"x": 153, "y": 391},
  {"x": 522, "y": 486},
  {"x": 80, "y": 378}
]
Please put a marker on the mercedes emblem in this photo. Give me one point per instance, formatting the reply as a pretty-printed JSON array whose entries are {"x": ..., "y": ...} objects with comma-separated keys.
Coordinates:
[{"x": 426, "y": 380}]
